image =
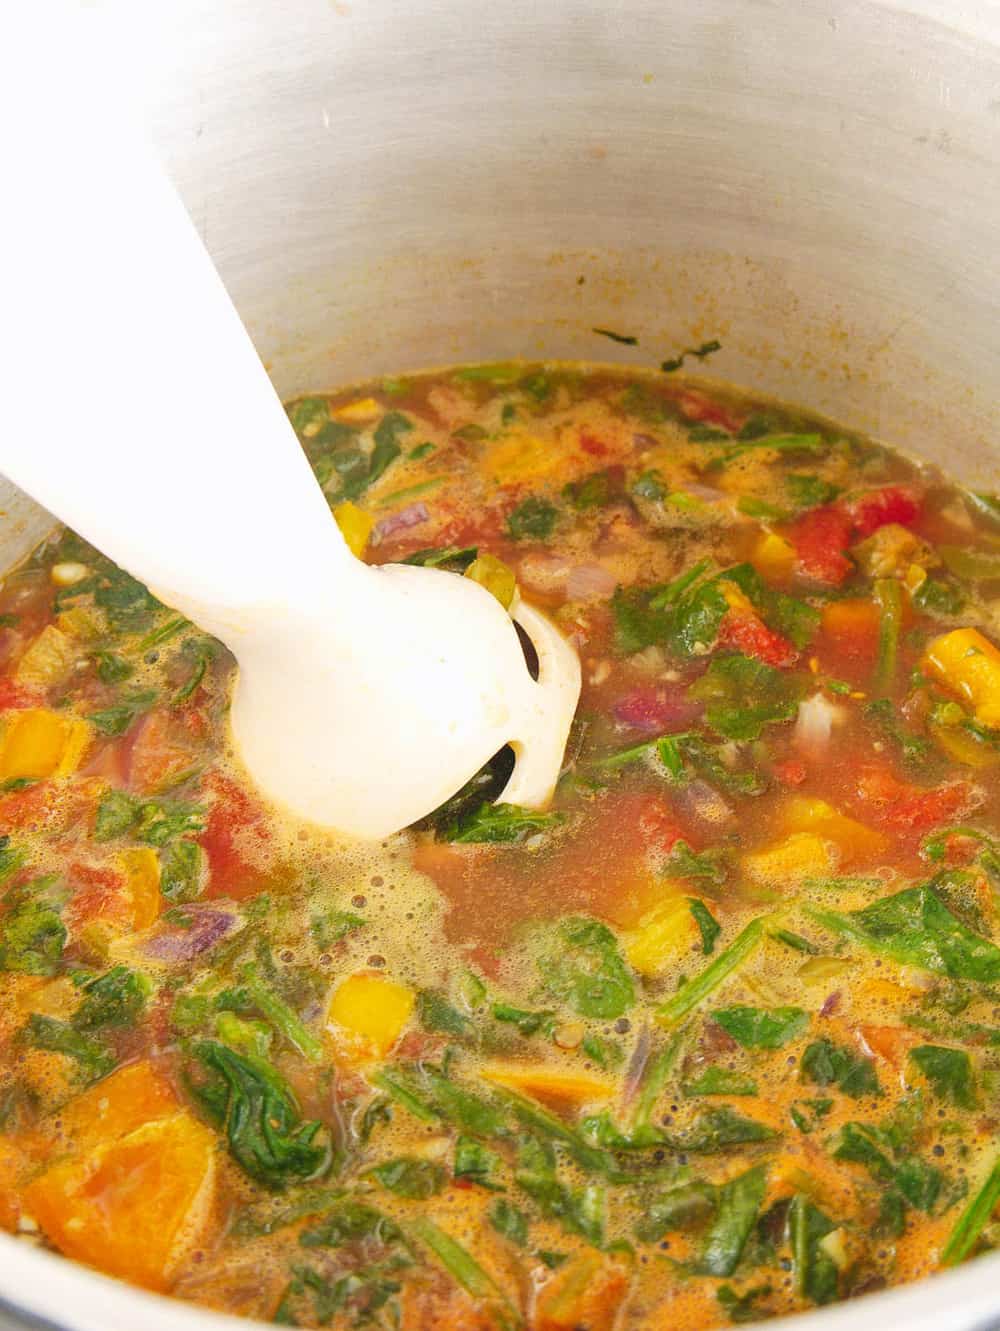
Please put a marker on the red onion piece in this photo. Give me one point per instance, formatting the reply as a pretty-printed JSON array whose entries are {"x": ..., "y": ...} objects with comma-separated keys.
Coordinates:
[
  {"x": 590, "y": 582},
  {"x": 636, "y": 1066},
  {"x": 700, "y": 800},
  {"x": 208, "y": 926},
  {"x": 830, "y": 1004},
  {"x": 653, "y": 710},
  {"x": 410, "y": 516}
]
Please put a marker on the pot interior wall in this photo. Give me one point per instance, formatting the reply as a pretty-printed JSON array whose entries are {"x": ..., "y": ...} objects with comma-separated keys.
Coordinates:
[{"x": 391, "y": 184}]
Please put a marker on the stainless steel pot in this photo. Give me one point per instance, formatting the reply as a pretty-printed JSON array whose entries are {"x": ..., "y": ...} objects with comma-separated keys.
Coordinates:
[{"x": 395, "y": 184}]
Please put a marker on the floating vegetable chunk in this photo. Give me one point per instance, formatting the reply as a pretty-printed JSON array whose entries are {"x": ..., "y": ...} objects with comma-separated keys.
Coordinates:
[
  {"x": 967, "y": 662},
  {"x": 134, "y": 1207},
  {"x": 38, "y": 743},
  {"x": 367, "y": 1014}
]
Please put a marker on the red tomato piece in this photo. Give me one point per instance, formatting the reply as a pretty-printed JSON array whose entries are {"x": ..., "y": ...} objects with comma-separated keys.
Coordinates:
[
  {"x": 744, "y": 632},
  {"x": 659, "y": 830},
  {"x": 14, "y": 695},
  {"x": 236, "y": 841},
  {"x": 907, "y": 808},
  {"x": 790, "y": 771},
  {"x": 698, "y": 407},
  {"x": 98, "y": 893},
  {"x": 29, "y": 809},
  {"x": 592, "y": 445},
  {"x": 155, "y": 752},
  {"x": 877, "y": 508},
  {"x": 820, "y": 538}
]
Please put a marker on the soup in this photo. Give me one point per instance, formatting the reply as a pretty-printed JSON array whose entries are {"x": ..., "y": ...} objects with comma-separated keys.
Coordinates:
[{"x": 715, "y": 1037}]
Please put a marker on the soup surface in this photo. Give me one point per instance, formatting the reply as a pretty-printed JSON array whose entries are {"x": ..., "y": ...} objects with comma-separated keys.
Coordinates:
[{"x": 715, "y": 1037}]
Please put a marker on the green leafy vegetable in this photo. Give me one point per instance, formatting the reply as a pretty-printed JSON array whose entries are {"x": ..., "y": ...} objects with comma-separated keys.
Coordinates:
[
  {"x": 410, "y": 1177},
  {"x": 916, "y": 1181},
  {"x": 112, "y": 669},
  {"x": 114, "y": 999},
  {"x": 743, "y": 1307},
  {"x": 761, "y": 1028},
  {"x": 888, "y": 596},
  {"x": 280, "y": 1015},
  {"x": 936, "y": 597},
  {"x": 694, "y": 993},
  {"x": 739, "y": 1201},
  {"x": 510, "y": 1221},
  {"x": 681, "y": 1208},
  {"x": 181, "y": 870},
  {"x": 718, "y": 1128},
  {"x": 32, "y": 934},
  {"x": 498, "y": 823},
  {"x": 534, "y": 519},
  {"x": 582, "y": 965},
  {"x": 450, "y": 557},
  {"x": 744, "y": 695},
  {"x": 475, "y": 1162},
  {"x": 708, "y": 926},
  {"x": 720, "y": 1081},
  {"x": 436, "y": 1013},
  {"x": 828, "y": 1064},
  {"x": 806, "y": 490},
  {"x": 973, "y": 1220},
  {"x": 526, "y": 1021},
  {"x": 116, "y": 720},
  {"x": 949, "y": 1072},
  {"x": 328, "y": 927},
  {"x": 915, "y": 928},
  {"x": 255, "y": 1105},
  {"x": 816, "y": 1274},
  {"x": 347, "y": 1222},
  {"x": 59, "y": 1037}
]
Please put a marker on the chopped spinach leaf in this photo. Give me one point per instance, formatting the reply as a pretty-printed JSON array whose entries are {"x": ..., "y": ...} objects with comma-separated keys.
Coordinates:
[
  {"x": 498, "y": 823},
  {"x": 720, "y": 1081},
  {"x": 762, "y": 1028},
  {"x": 116, "y": 998},
  {"x": 410, "y": 1177},
  {"x": 59, "y": 1037},
  {"x": 708, "y": 926},
  {"x": 816, "y": 1274},
  {"x": 739, "y": 1201},
  {"x": 915, "y": 928},
  {"x": 510, "y": 1221},
  {"x": 255, "y": 1105},
  {"x": 827, "y": 1064},
  {"x": 744, "y": 694},
  {"x": 581, "y": 965},
  {"x": 534, "y": 519},
  {"x": 949, "y": 1072}
]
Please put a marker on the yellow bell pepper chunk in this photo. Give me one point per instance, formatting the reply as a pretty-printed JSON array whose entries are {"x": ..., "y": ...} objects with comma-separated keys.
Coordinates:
[
  {"x": 48, "y": 659},
  {"x": 736, "y": 598},
  {"x": 663, "y": 932},
  {"x": 544, "y": 1081},
  {"x": 355, "y": 526},
  {"x": 367, "y": 1014},
  {"x": 968, "y": 663},
  {"x": 963, "y": 747},
  {"x": 521, "y": 457},
  {"x": 142, "y": 877},
  {"x": 772, "y": 556},
  {"x": 496, "y": 576},
  {"x": 801, "y": 813},
  {"x": 364, "y": 409},
  {"x": 801, "y": 855},
  {"x": 40, "y": 743}
]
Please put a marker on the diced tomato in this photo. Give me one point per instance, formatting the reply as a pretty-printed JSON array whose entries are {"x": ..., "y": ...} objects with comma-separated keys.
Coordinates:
[
  {"x": 98, "y": 893},
  {"x": 659, "y": 830},
  {"x": 29, "y": 809},
  {"x": 906, "y": 808},
  {"x": 592, "y": 445},
  {"x": 790, "y": 771},
  {"x": 14, "y": 695},
  {"x": 889, "y": 1043},
  {"x": 877, "y": 508},
  {"x": 698, "y": 407},
  {"x": 155, "y": 752},
  {"x": 236, "y": 841},
  {"x": 821, "y": 537},
  {"x": 745, "y": 632}
]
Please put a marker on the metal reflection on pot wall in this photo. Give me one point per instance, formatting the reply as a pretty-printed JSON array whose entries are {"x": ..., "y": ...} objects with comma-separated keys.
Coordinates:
[{"x": 393, "y": 184}]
